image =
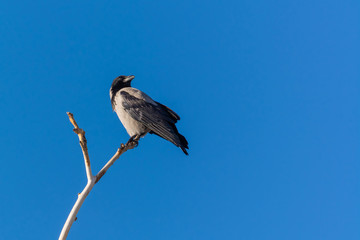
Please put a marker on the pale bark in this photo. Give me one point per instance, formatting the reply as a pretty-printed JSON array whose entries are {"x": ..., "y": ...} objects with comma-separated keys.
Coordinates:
[{"x": 91, "y": 179}]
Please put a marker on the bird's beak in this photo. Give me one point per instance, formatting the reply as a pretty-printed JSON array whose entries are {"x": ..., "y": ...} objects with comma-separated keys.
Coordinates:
[{"x": 129, "y": 78}]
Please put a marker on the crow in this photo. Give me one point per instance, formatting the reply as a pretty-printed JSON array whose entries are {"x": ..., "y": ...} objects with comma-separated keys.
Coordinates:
[{"x": 140, "y": 114}]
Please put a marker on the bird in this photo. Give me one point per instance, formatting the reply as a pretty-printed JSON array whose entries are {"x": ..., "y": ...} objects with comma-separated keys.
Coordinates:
[{"x": 140, "y": 114}]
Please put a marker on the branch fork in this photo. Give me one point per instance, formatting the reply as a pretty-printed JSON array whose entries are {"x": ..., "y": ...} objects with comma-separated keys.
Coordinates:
[{"x": 91, "y": 179}]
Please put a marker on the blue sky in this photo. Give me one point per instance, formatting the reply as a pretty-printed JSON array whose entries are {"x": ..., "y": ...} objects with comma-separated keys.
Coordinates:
[{"x": 268, "y": 92}]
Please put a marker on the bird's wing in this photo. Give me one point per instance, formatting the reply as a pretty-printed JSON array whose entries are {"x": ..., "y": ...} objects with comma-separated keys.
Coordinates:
[
  {"x": 154, "y": 116},
  {"x": 171, "y": 112}
]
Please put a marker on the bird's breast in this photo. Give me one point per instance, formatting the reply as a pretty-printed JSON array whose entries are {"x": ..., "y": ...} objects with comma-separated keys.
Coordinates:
[{"x": 132, "y": 126}]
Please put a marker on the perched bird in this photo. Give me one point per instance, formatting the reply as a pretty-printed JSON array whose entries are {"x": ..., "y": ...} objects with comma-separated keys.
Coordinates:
[{"x": 141, "y": 115}]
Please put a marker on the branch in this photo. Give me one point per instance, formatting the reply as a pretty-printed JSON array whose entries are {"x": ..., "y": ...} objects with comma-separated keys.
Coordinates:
[
  {"x": 92, "y": 180},
  {"x": 83, "y": 144},
  {"x": 120, "y": 151}
]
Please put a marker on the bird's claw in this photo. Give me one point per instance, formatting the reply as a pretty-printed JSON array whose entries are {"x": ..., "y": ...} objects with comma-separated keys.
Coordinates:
[
  {"x": 132, "y": 143},
  {"x": 136, "y": 143}
]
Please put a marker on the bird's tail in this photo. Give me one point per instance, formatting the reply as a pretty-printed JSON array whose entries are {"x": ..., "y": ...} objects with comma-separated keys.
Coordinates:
[
  {"x": 183, "y": 143},
  {"x": 176, "y": 138}
]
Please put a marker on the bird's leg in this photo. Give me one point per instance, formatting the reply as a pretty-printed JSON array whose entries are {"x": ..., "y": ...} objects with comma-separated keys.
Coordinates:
[
  {"x": 136, "y": 140},
  {"x": 130, "y": 140},
  {"x": 133, "y": 140}
]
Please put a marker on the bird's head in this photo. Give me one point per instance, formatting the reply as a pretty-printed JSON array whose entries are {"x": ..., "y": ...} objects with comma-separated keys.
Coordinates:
[{"x": 121, "y": 82}]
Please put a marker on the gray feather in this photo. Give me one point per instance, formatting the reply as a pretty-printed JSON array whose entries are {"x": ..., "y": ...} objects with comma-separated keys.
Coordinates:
[{"x": 157, "y": 117}]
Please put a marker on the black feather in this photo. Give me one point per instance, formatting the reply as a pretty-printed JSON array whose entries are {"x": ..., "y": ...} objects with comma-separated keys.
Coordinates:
[{"x": 158, "y": 118}]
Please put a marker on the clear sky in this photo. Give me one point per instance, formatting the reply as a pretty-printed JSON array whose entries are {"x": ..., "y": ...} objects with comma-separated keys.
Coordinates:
[{"x": 267, "y": 91}]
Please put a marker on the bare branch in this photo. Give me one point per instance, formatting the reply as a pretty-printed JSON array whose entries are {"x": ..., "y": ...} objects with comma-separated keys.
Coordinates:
[
  {"x": 120, "y": 151},
  {"x": 92, "y": 180},
  {"x": 72, "y": 120},
  {"x": 74, "y": 211},
  {"x": 83, "y": 144}
]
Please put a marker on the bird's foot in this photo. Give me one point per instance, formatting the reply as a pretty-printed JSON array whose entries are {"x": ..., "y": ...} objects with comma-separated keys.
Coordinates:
[
  {"x": 133, "y": 141},
  {"x": 132, "y": 144}
]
